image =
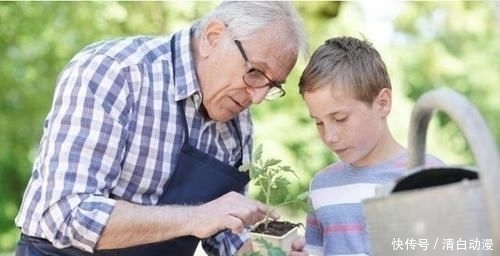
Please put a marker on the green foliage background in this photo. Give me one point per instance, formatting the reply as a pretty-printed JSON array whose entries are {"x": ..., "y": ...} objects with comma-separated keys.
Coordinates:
[{"x": 454, "y": 44}]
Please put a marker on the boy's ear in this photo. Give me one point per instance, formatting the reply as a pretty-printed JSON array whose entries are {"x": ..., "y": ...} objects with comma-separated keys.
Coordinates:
[
  {"x": 211, "y": 37},
  {"x": 384, "y": 101}
]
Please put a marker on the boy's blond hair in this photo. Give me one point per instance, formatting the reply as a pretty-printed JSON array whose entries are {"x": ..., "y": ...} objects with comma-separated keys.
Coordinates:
[{"x": 349, "y": 63}]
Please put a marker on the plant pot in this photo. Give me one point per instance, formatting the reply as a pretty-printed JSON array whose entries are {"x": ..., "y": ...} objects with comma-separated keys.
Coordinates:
[{"x": 261, "y": 241}]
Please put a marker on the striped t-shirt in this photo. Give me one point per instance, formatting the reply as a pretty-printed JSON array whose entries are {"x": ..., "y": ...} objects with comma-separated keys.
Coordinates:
[{"x": 336, "y": 226}]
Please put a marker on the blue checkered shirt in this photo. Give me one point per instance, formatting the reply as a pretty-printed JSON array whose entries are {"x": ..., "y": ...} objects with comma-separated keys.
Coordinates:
[{"x": 113, "y": 129}]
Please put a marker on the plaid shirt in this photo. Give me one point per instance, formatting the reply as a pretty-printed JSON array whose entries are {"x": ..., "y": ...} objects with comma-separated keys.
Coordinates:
[{"x": 114, "y": 129}]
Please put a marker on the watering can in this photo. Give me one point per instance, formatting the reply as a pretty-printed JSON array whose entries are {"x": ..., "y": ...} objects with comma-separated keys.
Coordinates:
[{"x": 449, "y": 210}]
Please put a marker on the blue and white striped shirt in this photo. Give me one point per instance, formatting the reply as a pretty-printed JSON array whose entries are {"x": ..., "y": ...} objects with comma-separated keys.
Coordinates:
[
  {"x": 336, "y": 226},
  {"x": 113, "y": 129}
]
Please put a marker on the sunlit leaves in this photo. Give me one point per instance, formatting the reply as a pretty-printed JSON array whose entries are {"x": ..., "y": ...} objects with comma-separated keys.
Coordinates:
[{"x": 454, "y": 44}]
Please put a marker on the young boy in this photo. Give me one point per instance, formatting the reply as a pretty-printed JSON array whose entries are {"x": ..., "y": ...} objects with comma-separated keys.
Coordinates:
[{"x": 347, "y": 91}]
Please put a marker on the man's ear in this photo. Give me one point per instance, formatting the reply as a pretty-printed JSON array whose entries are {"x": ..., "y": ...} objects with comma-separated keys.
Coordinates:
[
  {"x": 383, "y": 102},
  {"x": 211, "y": 37}
]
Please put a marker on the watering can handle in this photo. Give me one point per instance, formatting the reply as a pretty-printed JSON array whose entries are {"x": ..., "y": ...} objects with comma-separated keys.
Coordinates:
[{"x": 478, "y": 136}]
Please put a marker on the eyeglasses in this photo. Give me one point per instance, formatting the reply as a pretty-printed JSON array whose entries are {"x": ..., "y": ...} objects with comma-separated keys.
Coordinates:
[{"x": 257, "y": 79}]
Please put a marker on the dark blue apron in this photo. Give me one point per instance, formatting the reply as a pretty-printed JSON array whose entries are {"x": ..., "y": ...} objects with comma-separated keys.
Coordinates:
[{"x": 198, "y": 178}]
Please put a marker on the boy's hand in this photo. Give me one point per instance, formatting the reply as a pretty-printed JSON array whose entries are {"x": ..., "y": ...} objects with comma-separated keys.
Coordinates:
[{"x": 298, "y": 247}]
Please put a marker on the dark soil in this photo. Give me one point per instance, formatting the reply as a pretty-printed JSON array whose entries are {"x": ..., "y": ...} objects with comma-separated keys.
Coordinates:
[{"x": 275, "y": 228}]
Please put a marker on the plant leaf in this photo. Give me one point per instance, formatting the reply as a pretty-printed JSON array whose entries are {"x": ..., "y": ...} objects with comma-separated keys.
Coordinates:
[
  {"x": 257, "y": 153},
  {"x": 271, "y": 162},
  {"x": 271, "y": 250},
  {"x": 303, "y": 196}
]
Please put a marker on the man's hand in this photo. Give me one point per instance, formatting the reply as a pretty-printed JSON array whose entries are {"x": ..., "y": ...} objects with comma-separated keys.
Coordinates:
[
  {"x": 232, "y": 211},
  {"x": 298, "y": 247}
]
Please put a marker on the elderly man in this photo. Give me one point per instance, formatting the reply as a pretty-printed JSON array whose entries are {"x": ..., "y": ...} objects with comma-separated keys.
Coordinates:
[{"x": 140, "y": 149}]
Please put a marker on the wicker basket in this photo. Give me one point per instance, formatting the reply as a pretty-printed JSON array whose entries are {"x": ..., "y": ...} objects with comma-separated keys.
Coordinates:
[{"x": 460, "y": 218}]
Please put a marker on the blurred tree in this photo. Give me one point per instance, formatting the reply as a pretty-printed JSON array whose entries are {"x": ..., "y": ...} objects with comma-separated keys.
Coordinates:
[{"x": 454, "y": 44}]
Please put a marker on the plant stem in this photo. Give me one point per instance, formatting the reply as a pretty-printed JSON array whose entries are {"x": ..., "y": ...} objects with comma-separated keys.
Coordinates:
[{"x": 268, "y": 201}]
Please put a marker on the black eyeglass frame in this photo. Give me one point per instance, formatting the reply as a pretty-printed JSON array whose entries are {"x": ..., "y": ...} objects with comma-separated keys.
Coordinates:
[{"x": 273, "y": 85}]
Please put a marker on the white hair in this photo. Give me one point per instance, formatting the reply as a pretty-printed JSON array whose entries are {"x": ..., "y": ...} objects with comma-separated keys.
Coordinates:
[{"x": 244, "y": 18}]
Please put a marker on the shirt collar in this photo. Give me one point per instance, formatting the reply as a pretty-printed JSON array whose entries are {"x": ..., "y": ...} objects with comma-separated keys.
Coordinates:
[{"x": 186, "y": 81}]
